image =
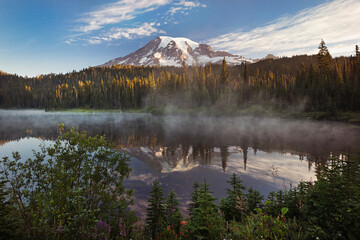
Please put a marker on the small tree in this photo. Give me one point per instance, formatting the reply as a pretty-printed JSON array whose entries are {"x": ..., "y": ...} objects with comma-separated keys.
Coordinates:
[
  {"x": 206, "y": 221},
  {"x": 234, "y": 205},
  {"x": 254, "y": 199},
  {"x": 194, "y": 199},
  {"x": 173, "y": 216},
  {"x": 155, "y": 210}
]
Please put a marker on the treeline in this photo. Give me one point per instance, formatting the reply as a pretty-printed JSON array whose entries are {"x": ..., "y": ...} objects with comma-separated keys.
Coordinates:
[
  {"x": 64, "y": 193},
  {"x": 310, "y": 83}
]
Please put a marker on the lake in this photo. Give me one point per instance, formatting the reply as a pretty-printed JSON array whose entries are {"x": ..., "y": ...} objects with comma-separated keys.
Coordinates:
[{"x": 268, "y": 153}]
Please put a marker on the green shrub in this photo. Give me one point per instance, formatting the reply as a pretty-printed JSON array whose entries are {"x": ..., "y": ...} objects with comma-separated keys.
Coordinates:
[
  {"x": 71, "y": 189},
  {"x": 261, "y": 226}
]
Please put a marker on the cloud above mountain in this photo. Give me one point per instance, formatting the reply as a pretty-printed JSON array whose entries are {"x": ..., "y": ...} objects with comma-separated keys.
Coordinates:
[
  {"x": 124, "y": 20},
  {"x": 146, "y": 29},
  {"x": 117, "y": 12},
  {"x": 183, "y": 6},
  {"x": 336, "y": 22}
]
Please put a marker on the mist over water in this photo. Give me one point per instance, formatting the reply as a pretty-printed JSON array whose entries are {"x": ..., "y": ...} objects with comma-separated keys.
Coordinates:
[{"x": 179, "y": 150}]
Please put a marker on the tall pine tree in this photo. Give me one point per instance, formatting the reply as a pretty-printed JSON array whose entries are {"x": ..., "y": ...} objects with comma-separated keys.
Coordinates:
[
  {"x": 224, "y": 78},
  {"x": 324, "y": 58},
  {"x": 155, "y": 210}
]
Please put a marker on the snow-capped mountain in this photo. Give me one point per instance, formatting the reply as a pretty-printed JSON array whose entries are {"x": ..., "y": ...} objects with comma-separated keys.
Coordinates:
[{"x": 169, "y": 51}]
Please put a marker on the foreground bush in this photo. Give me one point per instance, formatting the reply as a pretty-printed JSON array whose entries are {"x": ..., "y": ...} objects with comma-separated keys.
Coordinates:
[
  {"x": 262, "y": 226},
  {"x": 71, "y": 189}
]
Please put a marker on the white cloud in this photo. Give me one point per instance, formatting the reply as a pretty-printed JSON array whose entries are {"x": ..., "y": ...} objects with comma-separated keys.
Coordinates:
[
  {"x": 69, "y": 41},
  {"x": 174, "y": 10},
  {"x": 147, "y": 29},
  {"x": 117, "y": 12},
  {"x": 94, "y": 40},
  {"x": 107, "y": 23},
  {"x": 183, "y": 6},
  {"x": 336, "y": 22},
  {"x": 188, "y": 4}
]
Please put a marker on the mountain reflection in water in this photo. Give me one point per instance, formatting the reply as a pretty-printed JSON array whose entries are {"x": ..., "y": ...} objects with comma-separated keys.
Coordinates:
[{"x": 179, "y": 150}]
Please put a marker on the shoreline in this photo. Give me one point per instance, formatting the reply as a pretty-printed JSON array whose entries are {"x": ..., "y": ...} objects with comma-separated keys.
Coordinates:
[{"x": 346, "y": 117}]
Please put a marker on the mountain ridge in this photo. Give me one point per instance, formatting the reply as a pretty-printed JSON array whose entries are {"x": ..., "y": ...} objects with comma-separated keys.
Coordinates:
[{"x": 173, "y": 51}]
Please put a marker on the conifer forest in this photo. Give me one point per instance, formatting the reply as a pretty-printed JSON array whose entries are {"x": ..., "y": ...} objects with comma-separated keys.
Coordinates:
[{"x": 300, "y": 83}]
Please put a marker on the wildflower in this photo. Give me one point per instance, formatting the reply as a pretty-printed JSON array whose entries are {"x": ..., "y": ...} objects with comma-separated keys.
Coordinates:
[{"x": 182, "y": 223}]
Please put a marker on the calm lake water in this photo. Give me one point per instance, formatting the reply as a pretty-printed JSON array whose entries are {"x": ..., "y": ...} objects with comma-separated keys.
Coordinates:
[{"x": 268, "y": 153}]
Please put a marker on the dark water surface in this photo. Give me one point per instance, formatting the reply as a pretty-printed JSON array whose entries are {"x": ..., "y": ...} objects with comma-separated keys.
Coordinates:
[{"x": 268, "y": 153}]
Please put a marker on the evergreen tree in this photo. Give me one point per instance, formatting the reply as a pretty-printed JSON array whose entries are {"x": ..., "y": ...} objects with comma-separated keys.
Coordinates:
[
  {"x": 254, "y": 199},
  {"x": 357, "y": 61},
  {"x": 224, "y": 78},
  {"x": 173, "y": 216},
  {"x": 206, "y": 221},
  {"x": 155, "y": 210},
  {"x": 246, "y": 74},
  {"x": 324, "y": 58},
  {"x": 194, "y": 199},
  {"x": 234, "y": 205},
  {"x": 275, "y": 202}
]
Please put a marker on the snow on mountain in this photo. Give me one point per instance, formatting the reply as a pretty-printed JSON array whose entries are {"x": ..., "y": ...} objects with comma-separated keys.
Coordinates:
[{"x": 169, "y": 51}]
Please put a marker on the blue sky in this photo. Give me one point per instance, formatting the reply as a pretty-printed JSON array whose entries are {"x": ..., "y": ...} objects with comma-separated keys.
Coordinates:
[{"x": 43, "y": 36}]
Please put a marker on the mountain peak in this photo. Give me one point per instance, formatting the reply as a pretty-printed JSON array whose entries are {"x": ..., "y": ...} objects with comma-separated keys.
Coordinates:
[
  {"x": 180, "y": 42},
  {"x": 172, "y": 51}
]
